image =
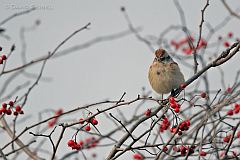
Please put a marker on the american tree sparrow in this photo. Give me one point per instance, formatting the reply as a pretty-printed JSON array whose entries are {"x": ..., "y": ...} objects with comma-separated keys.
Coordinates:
[{"x": 164, "y": 74}]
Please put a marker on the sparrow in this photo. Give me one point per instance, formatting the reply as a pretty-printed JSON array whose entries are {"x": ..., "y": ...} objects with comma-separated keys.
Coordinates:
[{"x": 164, "y": 74}]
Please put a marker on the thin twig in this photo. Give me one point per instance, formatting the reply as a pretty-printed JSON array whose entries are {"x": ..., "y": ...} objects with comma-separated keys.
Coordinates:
[{"x": 15, "y": 15}]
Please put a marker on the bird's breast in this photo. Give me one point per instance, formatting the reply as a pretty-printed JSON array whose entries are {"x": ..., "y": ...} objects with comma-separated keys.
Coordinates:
[{"x": 164, "y": 77}]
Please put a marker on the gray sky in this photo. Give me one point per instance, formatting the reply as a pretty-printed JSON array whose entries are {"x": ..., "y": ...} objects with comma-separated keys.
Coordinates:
[{"x": 106, "y": 69}]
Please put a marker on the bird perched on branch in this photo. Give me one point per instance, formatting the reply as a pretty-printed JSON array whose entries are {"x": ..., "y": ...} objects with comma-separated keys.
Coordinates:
[{"x": 164, "y": 74}]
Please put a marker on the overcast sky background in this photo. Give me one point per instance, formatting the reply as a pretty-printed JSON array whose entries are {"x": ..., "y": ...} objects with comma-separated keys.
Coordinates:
[{"x": 109, "y": 68}]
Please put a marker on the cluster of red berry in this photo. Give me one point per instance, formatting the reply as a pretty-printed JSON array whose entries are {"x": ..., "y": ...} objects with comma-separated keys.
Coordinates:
[
  {"x": 10, "y": 108},
  {"x": 234, "y": 111},
  {"x": 184, "y": 150},
  {"x": 174, "y": 105},
  {"x": 228, "y": 137},
  {"x": 90, "y": 142},
  {"x": 74, "y": 145},
  {"x": 3, "y": 57},
  {"x": 52, "y": 122},
  {"x": 92, "y": 121},
  {"x": 183, "y": 126},
  {"x": 165, "y": 124},
  {"x": 184, "y": 44},
  {"x": 227, "y": 39}
]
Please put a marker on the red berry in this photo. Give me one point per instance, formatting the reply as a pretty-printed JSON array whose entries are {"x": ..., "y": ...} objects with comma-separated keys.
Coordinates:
[
  {"x": 237, "y": 105},
  {"x": 76, "y": 146},
  {"x": 226, "y": 139},
  {"x": 203, "y": 95},
  {"x": 202, "y": 153},
  {"x": 229, "y": 90},
  {"x": 4, "y": 57},
  {"x": 147, "y": 112},
  {"x": 52, "y": 122},
  {"x": 165, "y": 120},
  {"x": 188, "y": 123},
  {"x": 174, "y": 105},
  {"x": 15, "y": 113},
  {"x": 81, "y": 143},
  {"x": 18, "y": 108},
  {"x": 173, "y": 130},
  {"x": 94, "y": 121},
  {"x": 236, "y": 111},
  {"x": 177, "y": 110},
  {"x": 9, "y": 111},
  {"x": 178, "y": 105},
  {"x": 94, "y": 144},
  {"x": 137, "y": 156},
  {"x": 172, "y": 99},
  {"x": 3, "y": 110},
  {"x": 87, "y": 128},
  {"x": 1, "y": 61},
  {"x": 187, "y": 51},
  {"x": 226, "y": 44},
  {"x": 237, "y": 108},
  {"x": 165, "y": 148},
  {"x": 230, "y": 34},
  {"x": 230, "y": 112},
  {"x": 81, "y": 120},
  {"x": 176, "y": 149},
  {"x": 11, "y": 103},
  {"x": 175, "y": 44},
  {"x": 4, "y": 105},
  {"x": 71, "y": 143},
  {"x": 59, "y": 112},
  {"x": 202, "y": 43},
  {"x": 183, "y": 150}
]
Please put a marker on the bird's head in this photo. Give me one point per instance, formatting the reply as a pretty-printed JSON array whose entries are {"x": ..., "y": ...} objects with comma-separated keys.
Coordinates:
[{"x": 162, "y": 56}]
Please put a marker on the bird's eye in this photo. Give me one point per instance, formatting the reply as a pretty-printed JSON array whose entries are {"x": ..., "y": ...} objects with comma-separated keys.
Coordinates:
[{"x": 162, "y": 58}]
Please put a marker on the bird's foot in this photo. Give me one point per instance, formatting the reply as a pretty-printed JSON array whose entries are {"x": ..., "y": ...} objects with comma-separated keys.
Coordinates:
[{"x": 173, "y": 93}]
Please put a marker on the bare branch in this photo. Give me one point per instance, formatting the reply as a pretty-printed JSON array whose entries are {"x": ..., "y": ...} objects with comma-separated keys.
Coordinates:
[{"x": 16, "y": 15}]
